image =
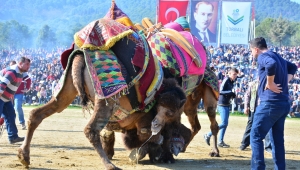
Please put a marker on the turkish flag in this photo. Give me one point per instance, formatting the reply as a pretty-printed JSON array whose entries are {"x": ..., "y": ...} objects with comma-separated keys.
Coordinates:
[{"x": 170, "y": 10}]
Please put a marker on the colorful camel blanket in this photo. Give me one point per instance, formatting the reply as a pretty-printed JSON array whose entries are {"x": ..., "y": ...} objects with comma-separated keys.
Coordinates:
[
  {"x": 174, "y": 58},
  {"x": 189, "y": 83},
  {"x": 101, "y": 34},
  {"x": 211, "y": 80},
  {"x": 104, "y": 71}
]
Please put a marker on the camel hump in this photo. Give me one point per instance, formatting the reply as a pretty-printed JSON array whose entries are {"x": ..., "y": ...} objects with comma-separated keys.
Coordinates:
[{"x": 180, "y": 40}]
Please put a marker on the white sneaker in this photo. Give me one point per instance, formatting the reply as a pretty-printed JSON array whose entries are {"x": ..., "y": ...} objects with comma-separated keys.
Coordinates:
[{"x": 23, "y": 126}]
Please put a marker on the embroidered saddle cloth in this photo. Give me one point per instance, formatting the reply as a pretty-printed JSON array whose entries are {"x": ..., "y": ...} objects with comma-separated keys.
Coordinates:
[
  {"x": 174, "y": 58},
  {"x": 211, "y": 80},
  {"x": 104, "y": 71},
  {"x": 101, "y": 34}
]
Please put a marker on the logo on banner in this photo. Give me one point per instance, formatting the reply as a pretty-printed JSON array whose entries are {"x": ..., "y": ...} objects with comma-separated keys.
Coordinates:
[{"x": 235, "y": 14}]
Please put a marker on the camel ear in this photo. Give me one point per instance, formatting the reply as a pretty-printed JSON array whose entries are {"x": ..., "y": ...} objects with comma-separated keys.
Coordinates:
[{"x": 182, "y": 102}]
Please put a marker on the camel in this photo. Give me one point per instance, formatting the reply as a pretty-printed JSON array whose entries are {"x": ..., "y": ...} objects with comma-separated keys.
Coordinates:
[
  {"x": 77, "y": 82},
  {"x": 161, "y": 126}
]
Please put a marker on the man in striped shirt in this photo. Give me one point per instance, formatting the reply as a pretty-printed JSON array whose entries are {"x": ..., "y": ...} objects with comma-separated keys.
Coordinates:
[{"x": 10, "y": 79}]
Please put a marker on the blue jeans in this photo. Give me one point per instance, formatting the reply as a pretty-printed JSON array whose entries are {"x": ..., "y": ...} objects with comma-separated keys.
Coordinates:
[
  {"x": 269, "y": 116},
  {"x": 18, "y": 107},
  {"x": 268, "y": 141},
  {"x": 9, "y": 115},
  {"x": 224, "y": 114},
  {"x": 201, "y": 105}
]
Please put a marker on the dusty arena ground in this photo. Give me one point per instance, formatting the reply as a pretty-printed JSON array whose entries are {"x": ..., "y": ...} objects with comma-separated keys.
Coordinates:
[{"x": 59, "y": 143}]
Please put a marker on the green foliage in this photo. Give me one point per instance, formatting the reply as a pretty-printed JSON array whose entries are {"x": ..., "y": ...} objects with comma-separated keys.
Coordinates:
[
  {"x": 63, "y": 18},
  {"x": 263, "y": 29},
  {"x": 13, "y": 34},
  {"x": 46, "y": 38},
  {"x": 295, "y": 39},
  {"x": 281, "y": 29},
  {"x": 18, "y": 27},
  {"x": 275, "y": 9}
]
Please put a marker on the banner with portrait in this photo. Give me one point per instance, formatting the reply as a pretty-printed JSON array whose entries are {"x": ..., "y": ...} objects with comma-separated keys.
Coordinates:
[
  {"x": 204, "y": 20},
  {"x": 170, "y": 10},
  {"x": 235, "y": 22}
]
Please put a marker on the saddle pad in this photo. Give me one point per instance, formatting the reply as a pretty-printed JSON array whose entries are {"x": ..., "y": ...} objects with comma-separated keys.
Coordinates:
[
  {"x": 174, "y": 26},
  {"x": 211, "y": 80},
  {"x": 101, "y": 34},
  {"x": 62, "y": 79},
  {"x": 189, "y": 83},
  {"x": 105, "y": 72},
  {"x": 193, "y": 69},
  {"x": 146, "y": 79},
  {"x": 175, "y": 58},
  {"x": 131, "y": 52},
  {"x": 160, "y": 48}
]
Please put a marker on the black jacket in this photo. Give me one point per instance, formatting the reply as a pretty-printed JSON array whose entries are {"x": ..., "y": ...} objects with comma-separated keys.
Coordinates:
[{"x": 226, "y": 92}]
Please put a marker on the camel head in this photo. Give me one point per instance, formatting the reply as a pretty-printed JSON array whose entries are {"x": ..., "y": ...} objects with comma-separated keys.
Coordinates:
[
  {"x": 177, "y": 144},
  {"x": 169, "y": 105}
]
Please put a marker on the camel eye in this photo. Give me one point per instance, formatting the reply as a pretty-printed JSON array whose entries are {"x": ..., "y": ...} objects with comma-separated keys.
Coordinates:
[{"x": 170, "y": 113}]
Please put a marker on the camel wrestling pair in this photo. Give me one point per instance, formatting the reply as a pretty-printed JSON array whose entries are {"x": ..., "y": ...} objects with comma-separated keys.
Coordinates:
[{"x": 138, "y": 80}]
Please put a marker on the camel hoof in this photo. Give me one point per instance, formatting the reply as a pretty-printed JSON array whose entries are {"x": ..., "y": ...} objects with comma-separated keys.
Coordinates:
[
  {"x": 110, "y": 157},
  {"x": 214, "y": 154},
  {"x": 137, "y": 155},
  {"x": 111, "y": 167},
  {"x": 23, "y": 158}
]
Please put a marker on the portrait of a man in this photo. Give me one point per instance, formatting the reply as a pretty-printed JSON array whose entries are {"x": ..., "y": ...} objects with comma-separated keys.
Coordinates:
[{"x": 204, "y": 21}]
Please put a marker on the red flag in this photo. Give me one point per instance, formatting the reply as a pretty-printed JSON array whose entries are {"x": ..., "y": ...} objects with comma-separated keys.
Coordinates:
[{"x": 170, "y": 10}]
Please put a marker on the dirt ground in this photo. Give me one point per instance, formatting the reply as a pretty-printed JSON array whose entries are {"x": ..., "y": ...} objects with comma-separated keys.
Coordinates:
[{"x": 59, "y": 143}]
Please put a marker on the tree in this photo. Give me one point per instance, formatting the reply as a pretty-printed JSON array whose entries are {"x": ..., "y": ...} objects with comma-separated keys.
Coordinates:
[
  {"x": 263, "y": 29},
  {"x": 46, "y": 38},
  {"x": 295, "y": 39},
  {"x": 14, "y": 35},
  {"x": 281, "y": 30}
]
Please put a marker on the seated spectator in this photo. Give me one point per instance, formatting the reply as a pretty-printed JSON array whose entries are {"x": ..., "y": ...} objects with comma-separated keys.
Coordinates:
[{"x": 50, "y": 77}]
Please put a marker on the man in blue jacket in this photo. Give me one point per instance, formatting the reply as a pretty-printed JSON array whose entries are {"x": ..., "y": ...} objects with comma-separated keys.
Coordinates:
[
  {"x": 226, "y": 94},
  {"x": 274, "y": 74}
]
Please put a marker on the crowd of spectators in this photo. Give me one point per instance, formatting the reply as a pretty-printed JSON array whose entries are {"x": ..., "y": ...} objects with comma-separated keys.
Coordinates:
[
  {"x": 224, "y": 57},
  {"x": 46, "y": 70}
]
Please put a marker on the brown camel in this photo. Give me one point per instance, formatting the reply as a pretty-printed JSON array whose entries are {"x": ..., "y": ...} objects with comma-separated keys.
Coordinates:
[
  {"x": 78, "y": 82},
  {"x": 177, "y": 136},
  {"x": 177, "y": 131}
]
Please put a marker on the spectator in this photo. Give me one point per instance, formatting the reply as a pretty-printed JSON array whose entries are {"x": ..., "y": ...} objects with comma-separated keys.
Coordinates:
[
  {"x": 226, "y": 95},
  {"x": 8, "y": 87},
  {"x": 19, "y": 96},
  {"x": 274, "y": 74},
  {"x": 42, "y": 94}
]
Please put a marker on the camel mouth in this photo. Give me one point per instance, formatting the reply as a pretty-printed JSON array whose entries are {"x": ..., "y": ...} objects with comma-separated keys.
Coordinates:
[
  {"x": 156, "y": 126},
  {"x": 156, "y": 130},
  {"x": 176, "y": 151}
]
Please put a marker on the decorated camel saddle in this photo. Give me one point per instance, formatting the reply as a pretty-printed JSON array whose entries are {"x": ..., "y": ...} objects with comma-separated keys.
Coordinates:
[{"x": 125, "y": 60}]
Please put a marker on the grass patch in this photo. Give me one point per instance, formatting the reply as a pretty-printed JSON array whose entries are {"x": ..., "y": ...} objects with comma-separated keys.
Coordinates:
[
  {"x": 69, "y": 107},
  {"x": 231, "y": 113}
]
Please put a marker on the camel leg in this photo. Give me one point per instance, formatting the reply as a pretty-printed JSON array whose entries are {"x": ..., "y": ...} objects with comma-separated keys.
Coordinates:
[
  {"x": 210, "y": 105},
  {"x": 108, "y": 140},
  {"x": 100, "y": 117},
  {"x": 62, "y": 101},
  {"x": 190, "y": 109}
]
